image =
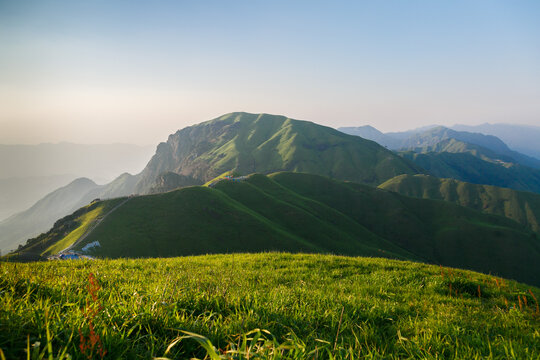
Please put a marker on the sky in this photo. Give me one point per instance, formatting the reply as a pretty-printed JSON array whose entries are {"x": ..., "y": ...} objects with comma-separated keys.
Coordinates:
[{"x": 133, "y": 71}]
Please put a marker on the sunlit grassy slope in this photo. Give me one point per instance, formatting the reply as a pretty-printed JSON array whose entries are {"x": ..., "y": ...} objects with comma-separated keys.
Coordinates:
[
  {"x": 308, "y": 213},
  {"x": 67, "y": 230},
  {"x": 523, "y": 207},
  {"x": 86, "y": 221},
  {"x": 307, "y": 307}
]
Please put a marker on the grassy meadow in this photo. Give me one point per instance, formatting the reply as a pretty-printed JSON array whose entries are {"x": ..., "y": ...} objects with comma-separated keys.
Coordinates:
[{"x": 262, "y": 306}]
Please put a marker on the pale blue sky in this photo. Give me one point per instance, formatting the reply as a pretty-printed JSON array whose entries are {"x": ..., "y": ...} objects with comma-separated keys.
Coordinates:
[{"x": 135, "y": 71}]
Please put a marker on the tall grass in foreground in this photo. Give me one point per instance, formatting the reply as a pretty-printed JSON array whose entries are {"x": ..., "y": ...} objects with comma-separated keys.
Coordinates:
[{"x": 264, "y": 306}]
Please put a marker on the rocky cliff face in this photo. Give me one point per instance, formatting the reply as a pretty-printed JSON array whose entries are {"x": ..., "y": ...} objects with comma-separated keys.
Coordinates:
[{"x": 169, "y": 181}]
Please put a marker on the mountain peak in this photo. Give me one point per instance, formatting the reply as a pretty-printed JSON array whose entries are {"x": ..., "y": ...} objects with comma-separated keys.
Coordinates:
[
  {"x": 82, "y": 181},
  {"x": 265, "y": 143}
]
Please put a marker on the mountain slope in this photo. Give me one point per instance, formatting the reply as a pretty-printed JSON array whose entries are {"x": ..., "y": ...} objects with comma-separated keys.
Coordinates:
[
  {"x": 440, "y": 138},
  {"x": 435, "y": 135},
  {"x": 20, "y": 193},
  {"x": 523, "y": 207},
  {"x": 310, "y": 213},
  {"x": 465, "y": 156},
  {"x": 522, "y": 138},
  {"x": 41, "y": 216},
  {"x": 263, "y": 143},
  {"x": 469, "y": 168},
  {"x": 496, "y": 148}
]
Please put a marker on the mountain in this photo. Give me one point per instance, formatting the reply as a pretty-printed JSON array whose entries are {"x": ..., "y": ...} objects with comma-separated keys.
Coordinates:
[
  {"x": 438, "y": 138},
  {"x": 263, "y": 143},
  {"x": 522, "y": 138},
  {"x": 451, "y": 145},
  {"x": 41, "y": 216},
  {"x": 469, "y": 157},
  {"x": 523, "y": 207},
  {"x": 370, "y": 133},
  {"x": 19, "y": 193},
  {"x": 241, "y": 142},
  {"x": 467, "y": 167},
  {"x": 299, "y": 213},
  {"x": 435, "y": 135},
  {"x": 498, "y": 150},
  {"x": 403, "y": 135}
]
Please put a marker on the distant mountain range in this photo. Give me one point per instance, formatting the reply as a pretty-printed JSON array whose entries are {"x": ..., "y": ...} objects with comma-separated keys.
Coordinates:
[
  {"x": 470, "y": 157},
  {"x": 437, "y": 138},
  {"x": 522, "y": 138},
  {"x": 298, "y": 212}
]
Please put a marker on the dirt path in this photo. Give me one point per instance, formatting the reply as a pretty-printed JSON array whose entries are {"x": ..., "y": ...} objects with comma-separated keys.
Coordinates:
[{"x": 94, "y": 225}]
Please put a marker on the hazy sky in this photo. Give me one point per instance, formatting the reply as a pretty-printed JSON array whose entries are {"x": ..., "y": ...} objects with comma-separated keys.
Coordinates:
[{"x": 134, "y": 71}]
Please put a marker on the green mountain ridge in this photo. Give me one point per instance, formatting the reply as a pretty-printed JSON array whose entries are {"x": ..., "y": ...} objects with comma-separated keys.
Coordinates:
[
  {"x": 522, "y": 207},
  {"x": 467, "y": 167},
  {"x": 437, "y": 134},
  {"x": 308, "y": 213},
  {"x": 451, "y": 145},
  {"x": 522, "y": 138}
]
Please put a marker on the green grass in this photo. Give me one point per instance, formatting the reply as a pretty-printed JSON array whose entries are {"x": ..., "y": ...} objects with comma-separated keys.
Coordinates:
[{"x": 304, "y": 307}]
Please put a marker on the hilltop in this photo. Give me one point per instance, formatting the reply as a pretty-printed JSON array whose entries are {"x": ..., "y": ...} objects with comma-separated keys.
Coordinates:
[{"x": 301, "y": 213}]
